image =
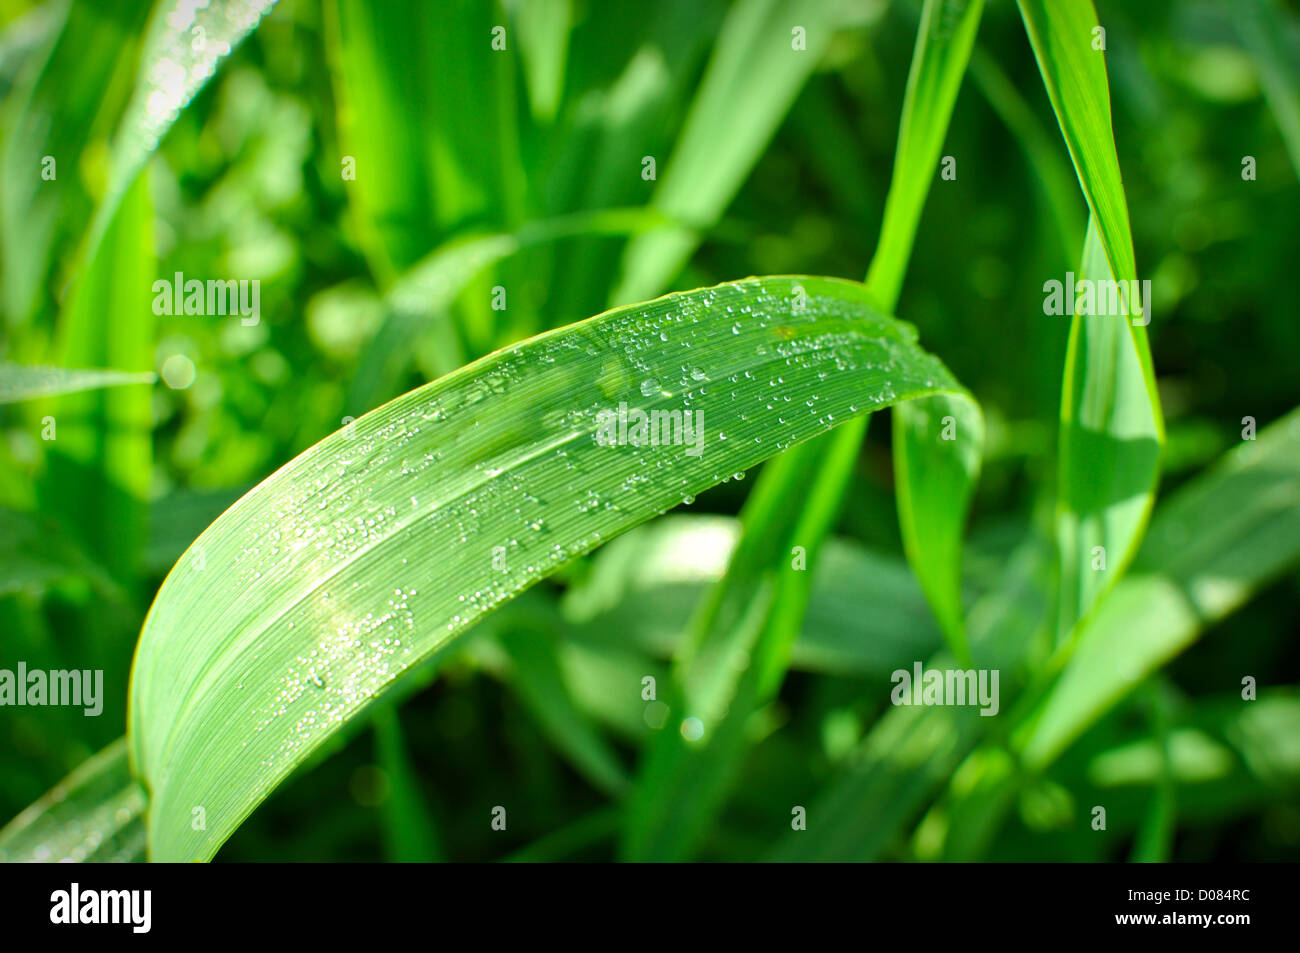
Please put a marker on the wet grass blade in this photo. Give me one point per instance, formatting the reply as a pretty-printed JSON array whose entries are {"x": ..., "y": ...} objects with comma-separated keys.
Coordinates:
[
  {"x": 94, "y": 814},
  {"x": 183, "y": 47},
  {"x": 362, "y": 556}
]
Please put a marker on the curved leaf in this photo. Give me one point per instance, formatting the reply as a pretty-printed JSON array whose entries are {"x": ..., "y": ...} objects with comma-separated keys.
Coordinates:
[{"x": 362, "y": 556}]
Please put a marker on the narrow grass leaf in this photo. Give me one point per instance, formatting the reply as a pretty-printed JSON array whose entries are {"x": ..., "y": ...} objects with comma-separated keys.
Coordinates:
[
  {"x": 97, "y": 476},
  {"x": 410, "y": 834},
  {"x": 56, "y": 119},
  {"x": 943, "y": 46},
  {"x": 937, "y": 443},
  {"x": 1109, "y": 450},
  {"x": 22, "y": 382}
]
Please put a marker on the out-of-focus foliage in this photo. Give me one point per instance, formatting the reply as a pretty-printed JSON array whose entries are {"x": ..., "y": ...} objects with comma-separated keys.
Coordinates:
[{"x": 524, "y": 169}]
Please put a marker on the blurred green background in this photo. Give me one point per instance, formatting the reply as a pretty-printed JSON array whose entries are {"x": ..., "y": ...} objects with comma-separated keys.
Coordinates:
[{"x": 249, "y": 183}]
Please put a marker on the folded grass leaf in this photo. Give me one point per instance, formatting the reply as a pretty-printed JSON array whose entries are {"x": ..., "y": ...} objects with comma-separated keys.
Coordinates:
[
  {"x": 1111, "y": 424},
  {"x": 1214, "y": 543},
  {"x": 1242, "y": 515},
  {"x": 1109, "y": 450},
  {"x": 362, "y": 556}
]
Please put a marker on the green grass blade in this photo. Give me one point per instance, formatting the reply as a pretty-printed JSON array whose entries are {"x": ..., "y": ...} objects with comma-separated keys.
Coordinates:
[
  {"x": 1111, "y": 424},
  {"x": 936, "y": 464},
  {"x": 751, "y": 82},
  {"x": 735, "y": 654},
  {"x": 1074, "y": 74},
  {"x": 366, "y": 553},
  {"x": 94, "y": 814},
  {"x": 943, "y": 46},
  {"x": 20, "y": 382},
  {"x": 937, "y": 442},
  {"x": 410, "y": 835},
  {"x": 378, "y": 63},
  {"x": 97, "y": 477},
  {"x": 57, "y": 117}
]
